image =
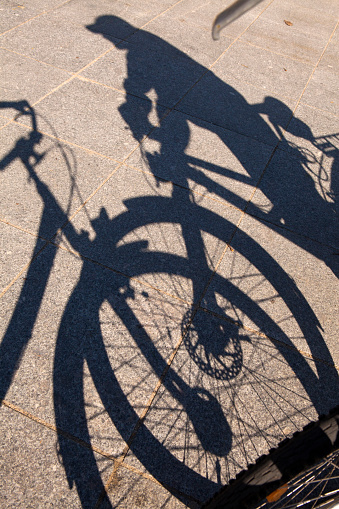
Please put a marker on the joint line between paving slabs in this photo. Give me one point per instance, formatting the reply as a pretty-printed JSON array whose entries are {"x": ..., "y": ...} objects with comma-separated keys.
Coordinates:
[
  {"x": 311, "y": 106},
  {"x": 71, "y": 78},
  {"x": 7, "y": 123},
  {"x": 29, "y": 57},
  {"x": 20, "y": 228},
  {"x": 289, "y": 57},
  {"x": 144, "y": 413},
  {"x": 157, "y": 387},
  {"x": 80, "y": 442},
  {"x": 34, "y": 17},
  {"x": 286, "y": 228},
  {"x": 61, "y": 140},
  {"x": 112, "y": 269},
  {"x": 82, "y": 206},
  {"x": 196, "y": 307},
  {"x": 208, "y": 69},
  {"x": 57, "y": 430}
]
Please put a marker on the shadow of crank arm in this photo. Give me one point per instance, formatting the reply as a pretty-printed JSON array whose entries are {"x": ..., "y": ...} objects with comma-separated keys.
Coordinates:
[{"x": 234, "y": 11}]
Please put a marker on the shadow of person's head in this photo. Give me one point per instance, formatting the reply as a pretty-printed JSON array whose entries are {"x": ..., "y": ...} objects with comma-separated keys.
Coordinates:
[{"x": 112, "y": 28}]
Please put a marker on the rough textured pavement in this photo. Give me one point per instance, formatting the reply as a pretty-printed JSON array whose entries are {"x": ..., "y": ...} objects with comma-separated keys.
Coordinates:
[{"x": 169, "y": 244}]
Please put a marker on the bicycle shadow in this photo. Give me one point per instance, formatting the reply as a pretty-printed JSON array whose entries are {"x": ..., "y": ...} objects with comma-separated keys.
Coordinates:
[
  {"x": 72, "y": 349},
  {"x": 82, "y": 310}
]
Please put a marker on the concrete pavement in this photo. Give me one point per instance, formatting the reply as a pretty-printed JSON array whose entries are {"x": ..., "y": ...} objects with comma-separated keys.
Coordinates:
[{"x": 169, "y": 245}]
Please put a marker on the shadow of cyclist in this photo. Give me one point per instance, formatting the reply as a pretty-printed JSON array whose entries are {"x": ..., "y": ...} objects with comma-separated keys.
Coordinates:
[
  {"x": 155, "y": 66},
  {"x": 149, "y": 70}
]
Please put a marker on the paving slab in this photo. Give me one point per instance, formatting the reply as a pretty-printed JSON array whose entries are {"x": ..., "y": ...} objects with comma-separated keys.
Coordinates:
[
  {"x": 277, "y": 74},
  {"x": 306, "y": 165},
  {"x": 106, "y": 15},
  {"x": 330, "y": 7},
  {"x": 310, "y": 131},
  {"x": 17, "y": 249},
  {"x": 25, "y": 79},
  {"x": 186, "y": 36},
  {"x": 201, "y": 13},
  {"x": 130, "y": 489},
  {"x": 329, "y": 58},
  {"x": 32, "y": 475},
  {"x": 3, "y": 121},
  {"x": 44, "y": 180},
  {"x": 87, "y": 114},
  {"x": 296, "y": 38},
  {"x": 61, "y": 43},
  {"x": 161, "y": 70},
  {"x": 14, "y": 14},
  {"x": 305, "y": 211},
  {"x": 228, "y": 398},
  {"x": 223, "y": 100},
  {"x": 322, "y": 90}
]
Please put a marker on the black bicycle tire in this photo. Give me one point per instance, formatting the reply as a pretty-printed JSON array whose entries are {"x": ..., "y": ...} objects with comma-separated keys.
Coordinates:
[{"x": 281, "y": 465}]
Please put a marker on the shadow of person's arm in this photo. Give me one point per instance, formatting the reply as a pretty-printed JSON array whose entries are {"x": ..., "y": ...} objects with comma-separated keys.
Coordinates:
[
  {"x": 136, "y": 117},
  {"x": 282, "y": 118}
]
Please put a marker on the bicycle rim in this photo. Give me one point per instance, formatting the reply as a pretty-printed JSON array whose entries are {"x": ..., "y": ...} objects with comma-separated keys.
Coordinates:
[
  {"x": 302, "y": 472},
  {"x": 318, "y": 487}
]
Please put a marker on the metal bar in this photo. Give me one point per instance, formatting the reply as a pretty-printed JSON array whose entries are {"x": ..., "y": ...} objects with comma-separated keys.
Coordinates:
[{"x": 234, "y": 11}]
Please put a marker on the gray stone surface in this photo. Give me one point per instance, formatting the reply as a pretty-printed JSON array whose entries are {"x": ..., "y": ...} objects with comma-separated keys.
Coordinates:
[
  {"x": 32, "y": 475},
  {"x": 162, "y": 67},
  {"x": 166, "y": 177},
  {"x": 25, "y": 79},
  {"x": 13, "y": 14},
  {"x": 130, "y": 489},
  {"x": 229, "y": 397},
  {"x": 16, "y": 250},
  {"x": 200, "y": 13},
  {"x": 276, "y": 74},
  {"x": 44, "y": 180},
  {"x": 188, "y": 37},
  {"x": 222, "y": 99},
  {"x": 61, "y": 42},
  {"x": 323, "y": 89},
  {"x": 312, "y": 136},
  {"x": 328, "y": 6},
  {"x": 298, "y": 39},
  {"x": 299, "y": 189},
  {"x": 86, "y": 114},
  {"x": 292, "y": 196},
  {"x": 329, "y": 58},
  {"x": 134, "y": 13},
  {"x": 3, "y": 121}
]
